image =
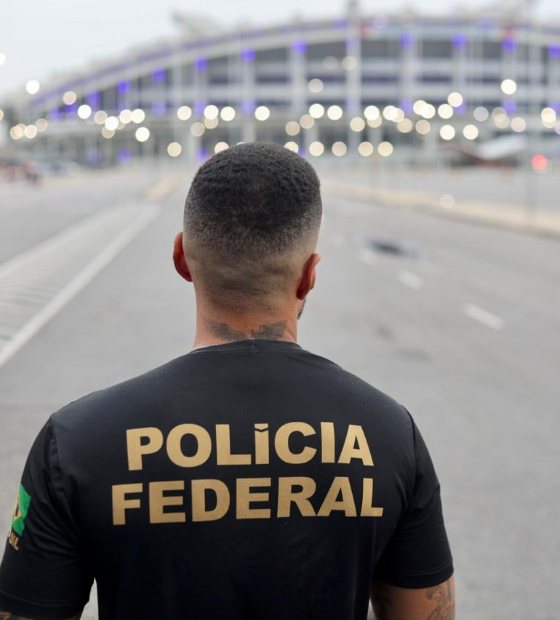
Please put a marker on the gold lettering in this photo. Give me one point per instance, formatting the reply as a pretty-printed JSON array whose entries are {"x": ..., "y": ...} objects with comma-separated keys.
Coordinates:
[
  {"x": 199, "y": 511},
  {"x": 327, "y": 442},
  {"x": 368, "y": 509},
  {"x": 262, "y": 456},
  {"x": 349, "y": 451},
  {"x": 346, "y": 503},
  {"x": 204, "y": 445},
  {"x": 121, "y": 504},
  {"x": 136, "y": 449},
  {"x": 158, "y": 501},
  {"x": 245, "y": 497},
  {"x": 13, "y": 540},
  {"x": 286, "y": 496},
  {"x": 282, "y": 443},
  {"x": 223, "y": 448}
]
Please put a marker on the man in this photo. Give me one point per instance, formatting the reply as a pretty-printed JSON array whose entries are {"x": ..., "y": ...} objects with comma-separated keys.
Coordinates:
[{"x": 249, "y": 478}]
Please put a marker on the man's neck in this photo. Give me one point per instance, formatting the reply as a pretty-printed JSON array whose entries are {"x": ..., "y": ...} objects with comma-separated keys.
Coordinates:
[{"x": 219, "y": 328}]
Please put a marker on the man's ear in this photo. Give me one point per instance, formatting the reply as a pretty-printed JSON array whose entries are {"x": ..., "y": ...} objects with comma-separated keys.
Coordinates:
[
  {"x": 179, "y": 258},
  {"x": 307, "y": 281}
]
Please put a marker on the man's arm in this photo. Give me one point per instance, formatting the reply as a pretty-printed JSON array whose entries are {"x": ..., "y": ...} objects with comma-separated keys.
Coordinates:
[
  {"x": 6, "y": 615},
  {"x": 435, "y": 603}
]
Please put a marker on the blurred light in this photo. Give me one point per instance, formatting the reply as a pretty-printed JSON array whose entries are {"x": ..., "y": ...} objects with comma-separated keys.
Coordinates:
[
  {"x": 125, "y": 116},
  {"x": 518, "y": 124},
  {"x": 510, "y": 107},
  {"x": 455, "y": 99},
  {"x": 1, "y": 114},
  {"x": 553, "y": 50},
  {"x": 174, "y": 149},
  {"x": 445, "y": 111},
  {"x": 197, "y": 129},
  {"x": 120, "y": 124},
  {"x": 399, "y": 115},
  {"x": 16, "y": 132},
  {"x": 41, "y": 124},
  {"x": 385, "y": 149},
  {"x": 292, "y": 128},
  {"x": 158, "y": 75},
  {"x": 221, "y": 146},
  {"x": 200, "y": 64},
  {"x": 2, "y": 59},
  {"x": 84, "y": 111},
  {"x": 32, "y": 87},
  {"x": 366, "y": 149},
  {"x": 184, "y": 113},
  {"x": 93, "y": 98},
  {"x": 428, "y": 111},
  {"x": 357, "y": 124},
  {"x": 375, "y": 122},
  {"x": 349, "y": 63},
  {"x": 335, "y": 112},
  {"x": 405, "y": 126},
  {"x": 69, "y": 97},
  {"x": 111, "y": 123},
  {"x": 159, "y": 108},
  {"x": 371, "y": 113},
  {"x": 30, "y": 131},
  {"x": 316, "y": 149},
  {"x": 447, "y": 201},
  {"x": 123, "y": 86},
  {"x": 418, "y": 107},
  {"x": 299, "y": 46},
  {"x": 470, "y": 132},
  {"x": 142, "y": 134},
  {"x": 227, "y": 114},
  {"x": 262, "y": 113},
  {"x": 481, "y": 114},
  {"x": 540, "y": 162},
  {"x": 447, "y": 132},
  {"x": 330, "y": 63},
  {"x": 108, "y": 133},
  {"x": 509, "y": 44},
  {"x": 138, "y": 116},
  {"x": 509, "y": 87},
  {"x": 502, "y": 121},
  {"x": 100, "y": 117},
  {"x": 211, "y": 123},
  {"x": 339, "y": 149},
  {"x": 407, "y": 39},
  {"x": 211, "y": 112},
  {"x": 548, "y": 116},
  {"x": 292, "y": 146},
  {"x": 124, "y": 155},
  {"x": 459, "y": 40},
  {"x": 390, "y": 113},
  {"x": 316, "y": 85},
  {"x": 307, "y": 121},
  {"x": 317, "y": 110},
  {"x": 248, "y": 54}
]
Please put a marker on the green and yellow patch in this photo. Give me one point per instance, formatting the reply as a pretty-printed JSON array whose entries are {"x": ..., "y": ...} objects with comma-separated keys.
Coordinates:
[{"x": 20, "y": 510}]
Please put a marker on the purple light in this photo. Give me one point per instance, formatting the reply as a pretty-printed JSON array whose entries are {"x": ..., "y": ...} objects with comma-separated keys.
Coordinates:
[
  {"x": 159, "y": 108},
  {"x": 353, "y": 42},
  {"x": 55, "y": 115},
  {"x": 199, "y": 107},
  {"x": 407, "y": 39},
  {"x": 341, "y": 24},
  {"x": 462, "y": 109},
  {"x": 460, "y": 40},
  {"x": 248, "y": 54},
  {"x": 302, "y": 151},
  {"x": 299, "y": 46},
  {"x": 94, "y": 99},
  {"x": 202, "y": 155},
  {"x": 509, "y": 44},
  {"x": 123, "y": 86},
  {"x": 510, "y": 107},
  {"x": 124, "y": 156},
  {"x": 555, "y": 105},
  {"x": 554, "y": 50},
  {"x": 158, "y": 75},
  {"x": 71, "y": 109},
  {"x": 200, "y": 64},
  {"x": 406, "y": 106},
  {"x": 248, "y": 106}
]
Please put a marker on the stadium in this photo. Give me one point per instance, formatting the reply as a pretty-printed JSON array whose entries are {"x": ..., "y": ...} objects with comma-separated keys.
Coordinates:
[{"x": 361, "y": 85}]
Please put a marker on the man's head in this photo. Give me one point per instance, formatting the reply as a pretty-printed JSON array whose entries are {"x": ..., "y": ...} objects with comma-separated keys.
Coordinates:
[{"x": 251, "y": 225}]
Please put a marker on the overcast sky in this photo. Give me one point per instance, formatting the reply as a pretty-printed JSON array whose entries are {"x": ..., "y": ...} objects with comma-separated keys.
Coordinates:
[{"x": 42, "y": 37}]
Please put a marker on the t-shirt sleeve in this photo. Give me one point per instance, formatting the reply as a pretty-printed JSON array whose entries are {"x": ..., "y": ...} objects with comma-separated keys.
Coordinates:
[
  {"x": 43, "y": 574},
  {"x": 418, "y": 554}
]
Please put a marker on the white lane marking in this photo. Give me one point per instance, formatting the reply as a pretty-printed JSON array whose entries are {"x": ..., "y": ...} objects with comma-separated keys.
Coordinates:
[
  {"x": 101, "y": 260},
  {"x": 368, "y": 257},
  {"x": 410, "y": 279},
  {"x": 481, "y": 315}
]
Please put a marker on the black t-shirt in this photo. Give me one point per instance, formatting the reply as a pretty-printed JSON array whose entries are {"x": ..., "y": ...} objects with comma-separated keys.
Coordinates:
[{"x": 249, "y": 480}]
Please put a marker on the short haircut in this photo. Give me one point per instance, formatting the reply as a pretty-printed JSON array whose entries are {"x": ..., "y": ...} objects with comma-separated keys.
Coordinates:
[{"x": 250, "y": 206}]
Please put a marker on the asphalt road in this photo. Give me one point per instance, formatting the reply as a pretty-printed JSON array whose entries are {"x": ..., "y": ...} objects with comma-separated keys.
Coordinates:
[{"x": 458, "y": 322}]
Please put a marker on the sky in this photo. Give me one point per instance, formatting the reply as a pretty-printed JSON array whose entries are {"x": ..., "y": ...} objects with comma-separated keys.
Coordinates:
[{"x": 42, "y": 38}]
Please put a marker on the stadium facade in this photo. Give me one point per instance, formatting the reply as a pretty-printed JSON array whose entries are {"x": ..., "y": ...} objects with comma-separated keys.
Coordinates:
[{"x": 350, "y": 86}]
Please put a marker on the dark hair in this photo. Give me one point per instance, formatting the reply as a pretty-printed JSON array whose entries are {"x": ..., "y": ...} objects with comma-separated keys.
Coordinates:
[{"x": 253, "y": 201}]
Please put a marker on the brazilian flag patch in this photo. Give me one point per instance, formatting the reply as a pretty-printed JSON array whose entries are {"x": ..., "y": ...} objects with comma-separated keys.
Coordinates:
[{"x": 20, "y": 510}]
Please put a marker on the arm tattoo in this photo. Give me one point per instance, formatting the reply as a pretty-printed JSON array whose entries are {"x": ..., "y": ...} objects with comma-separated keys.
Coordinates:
[
  {"x": 268, "y": 331},
  {"x": 6, "y": 615},
  {"x": 445, "y": 605}
]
